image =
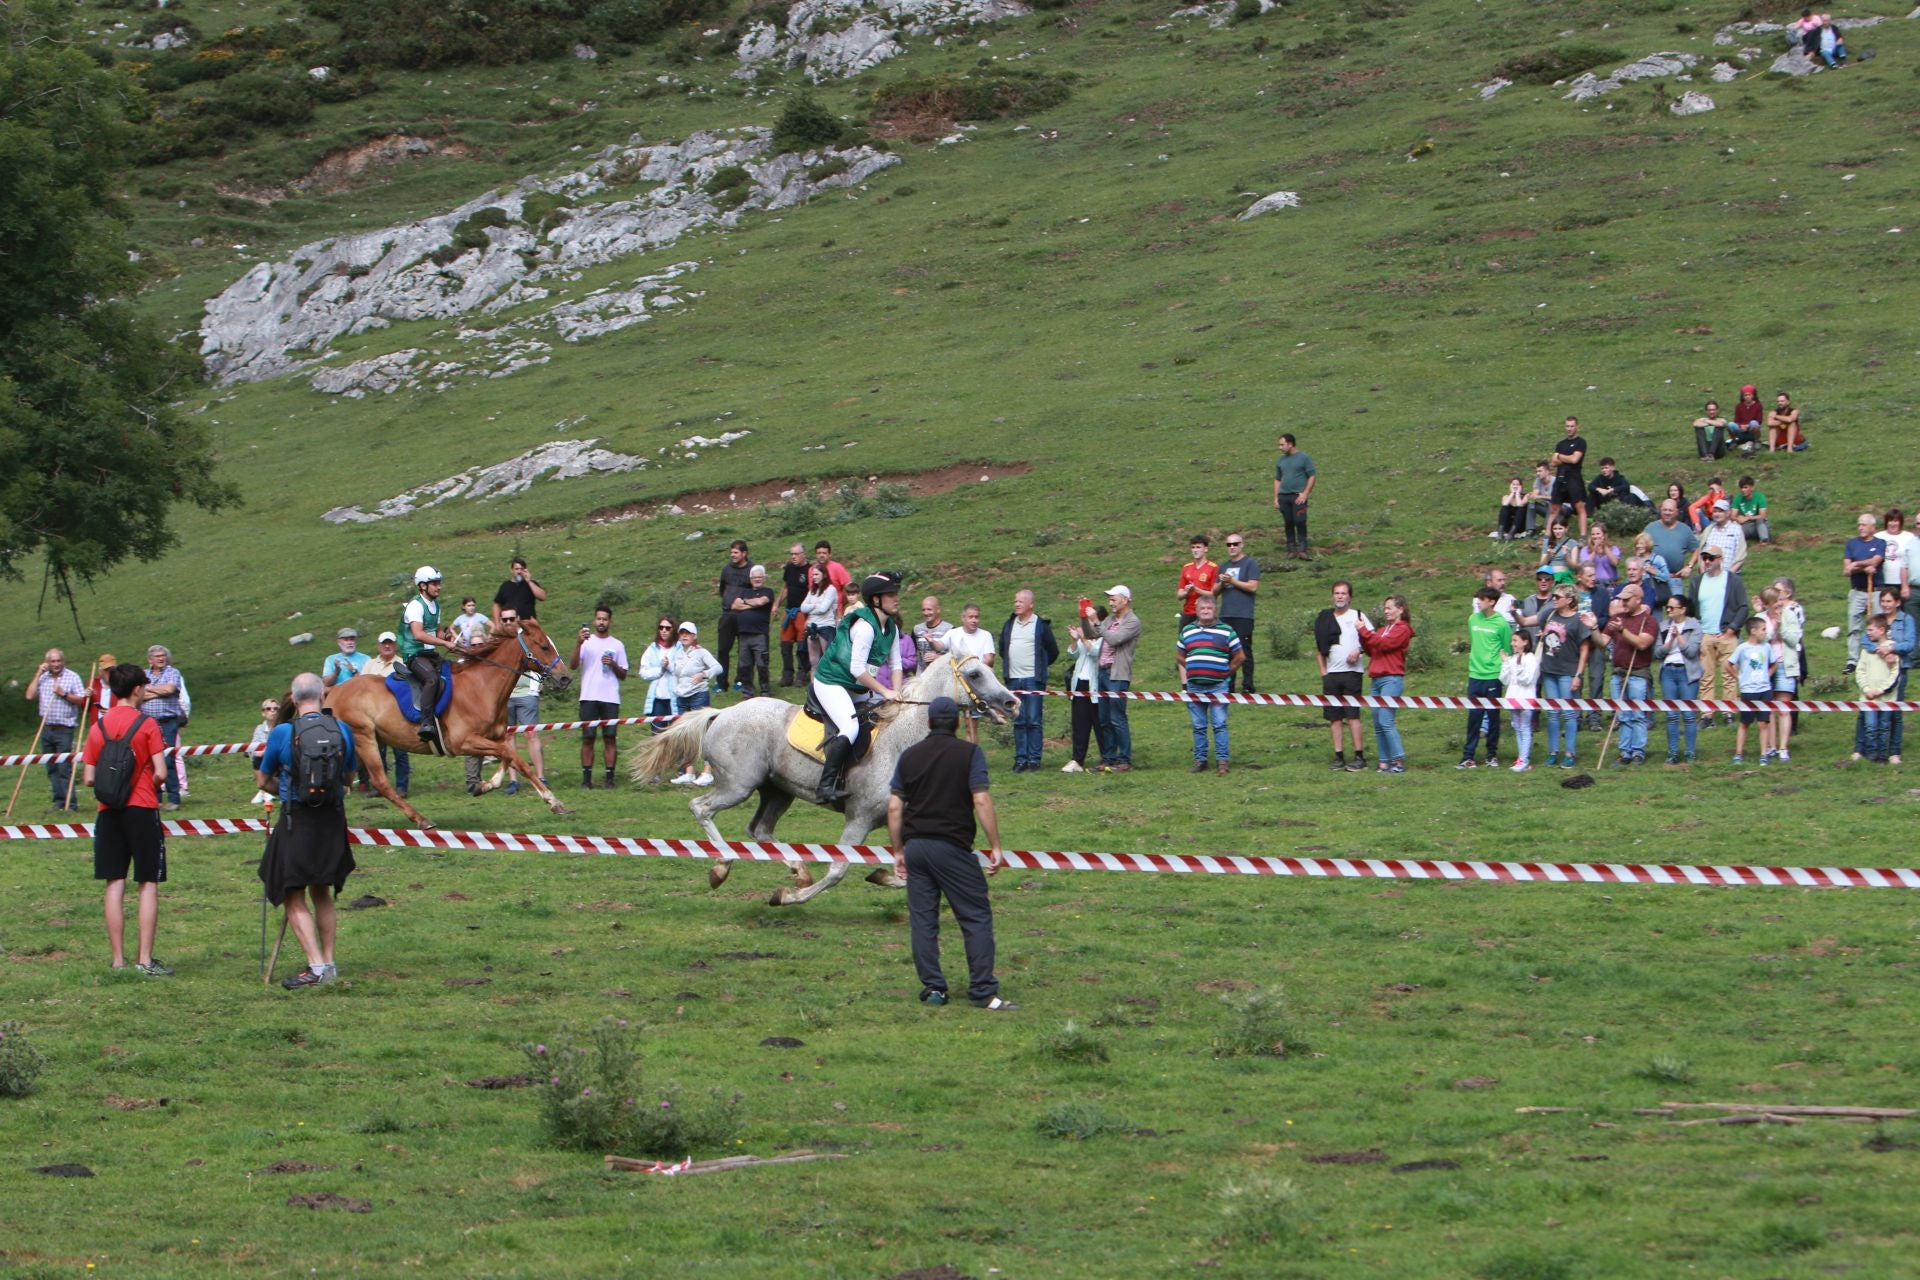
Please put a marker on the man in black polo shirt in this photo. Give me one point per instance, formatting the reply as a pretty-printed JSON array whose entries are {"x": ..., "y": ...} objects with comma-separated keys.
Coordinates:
[
  {"x": 1569, "y": 486},
  {"x": 939, "y": 787},
  {"x": 794, "y": 578}
]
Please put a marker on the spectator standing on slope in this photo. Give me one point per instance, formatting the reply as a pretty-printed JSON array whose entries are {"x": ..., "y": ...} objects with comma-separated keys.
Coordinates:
[
  {"x": 1293, "y": 480},
  {"x": 1337, "y": 651},
  {"x": 733, "y": 586},
  {"x": 1387, "y": 666},
  {"x": 1205, "y": 657},
  {"x": 1489, "y": 640},
  {"x": 1239, "y": 584},
  {"x": 1199, "y": 576}
]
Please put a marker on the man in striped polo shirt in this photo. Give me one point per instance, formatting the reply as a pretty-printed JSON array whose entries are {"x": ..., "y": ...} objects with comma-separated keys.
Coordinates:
[{"x": 1206, "y": 655}]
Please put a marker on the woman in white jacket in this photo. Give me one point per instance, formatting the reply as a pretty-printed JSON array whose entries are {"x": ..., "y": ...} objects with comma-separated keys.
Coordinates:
[
  {"x": 1085, "y": 649},
  {"x": 692, "y": 669},
  {"x": 1520, "y": 678},
  {"x": 660, "y": 700}
]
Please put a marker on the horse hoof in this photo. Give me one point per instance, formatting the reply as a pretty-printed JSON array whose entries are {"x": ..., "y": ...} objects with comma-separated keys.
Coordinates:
[
  {"x": 886, "y": 879},
  {"x": 717, "y": 875},
  {"x": 782, "y": 897},
  {"x": 560, "y": 810}
]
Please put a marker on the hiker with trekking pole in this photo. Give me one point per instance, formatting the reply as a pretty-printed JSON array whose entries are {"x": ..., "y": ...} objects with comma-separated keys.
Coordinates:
[
  {"x": 1632, "y": 629},
  {"x": 62, "y": 698},
  {"x": 307, "y": 764}
]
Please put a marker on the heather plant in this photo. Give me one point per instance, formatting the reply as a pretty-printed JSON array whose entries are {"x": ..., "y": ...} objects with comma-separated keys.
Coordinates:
[{"x": 20, "y": 1062}]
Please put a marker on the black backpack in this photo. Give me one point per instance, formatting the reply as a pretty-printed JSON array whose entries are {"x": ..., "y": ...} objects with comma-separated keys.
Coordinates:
[
  {"x": 319, "y": 760},
  {"x": 116, "y": 767}
]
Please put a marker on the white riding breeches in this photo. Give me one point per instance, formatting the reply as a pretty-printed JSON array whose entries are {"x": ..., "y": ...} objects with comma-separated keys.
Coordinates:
[{"x": 838, "y": 704}]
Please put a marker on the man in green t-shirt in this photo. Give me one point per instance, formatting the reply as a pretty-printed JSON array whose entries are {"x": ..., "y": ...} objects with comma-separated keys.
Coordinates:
[
  {"x": 1489, "y": 639},
  {"x": 1750, "y": 512},
  {"x": 1293, "y": 481}
]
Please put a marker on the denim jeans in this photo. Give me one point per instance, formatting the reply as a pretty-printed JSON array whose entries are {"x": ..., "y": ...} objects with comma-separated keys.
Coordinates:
[
  {"x": 1633, "y": 724},
  {"x": 1386, "y": 729},
  {"x": 402, "y": 772},
  {"x": 1479, "y": 720},
  {"x": 1523, "y": 737},
  {"x": 1560, "y": 724},
  {"x": 659, "y": 707},
  {"x": 170, "y": 734},
  {"x": 1674, "y": 685},
  {"x": 1871, "y": 739},
  {"x": 1203, "y": 714},
  {"x": 58, "y": 739},
  {"x": 1116, "y": 735},
  {"x": 1892, "y": 725},
  {"x": 1028, "y": 730}
]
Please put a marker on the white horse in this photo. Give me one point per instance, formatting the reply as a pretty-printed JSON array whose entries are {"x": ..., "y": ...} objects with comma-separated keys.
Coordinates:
[{"x": 746, "y": 747}]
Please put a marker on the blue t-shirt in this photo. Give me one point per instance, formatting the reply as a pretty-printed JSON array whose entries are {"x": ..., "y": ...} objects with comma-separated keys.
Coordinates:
[
  {"x": 277, "y": 761},
  {"x": 1712, "y": 595},
  {"x": 1864, "y": 549},
  {"x": 343, "y": 666},
  {"x": 1750, "y": 663}
]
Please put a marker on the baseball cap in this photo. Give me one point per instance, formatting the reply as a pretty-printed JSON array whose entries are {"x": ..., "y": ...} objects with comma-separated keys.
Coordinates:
[
  {"x": 1544, "y": 571},
  {"x": 943, "y": 708},
  {"x": 690, "y": 628},
  {"x": 1123, "y": 592},
  {"x": 1722, "y": 505},
  {"x": 346, "y": 633},
  {"x": 386, "y": 636}
]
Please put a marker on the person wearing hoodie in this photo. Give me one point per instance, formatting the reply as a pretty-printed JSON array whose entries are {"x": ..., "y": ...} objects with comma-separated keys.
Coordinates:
[{"x": 1749, "y": 416}]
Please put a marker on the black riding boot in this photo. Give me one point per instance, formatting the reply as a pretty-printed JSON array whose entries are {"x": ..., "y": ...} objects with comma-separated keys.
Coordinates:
[{"x": 833, "y": 775}]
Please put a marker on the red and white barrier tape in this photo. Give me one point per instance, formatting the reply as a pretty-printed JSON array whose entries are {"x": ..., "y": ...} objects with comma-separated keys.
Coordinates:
[
  {"x": 1049, "y": 860},
  {"x": 1401, "y": 702}
]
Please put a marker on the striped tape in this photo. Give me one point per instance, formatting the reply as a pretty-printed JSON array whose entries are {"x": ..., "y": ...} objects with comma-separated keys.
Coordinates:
[
  {"x": 1402, "y": 702},
  {"x": 1050, "y": 860}
]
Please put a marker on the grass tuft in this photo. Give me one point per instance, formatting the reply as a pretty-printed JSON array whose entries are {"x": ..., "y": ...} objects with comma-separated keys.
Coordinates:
[
  {"x": 1080, "y": 1122},
  {"x": 1073, "y": 1043},
  {"x": 1257, "y": 1026}
]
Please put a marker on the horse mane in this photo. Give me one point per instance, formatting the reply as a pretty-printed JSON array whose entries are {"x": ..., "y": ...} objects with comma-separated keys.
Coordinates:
[
  {"x": 485, "y": 647},
  {"x": 913, "y": 691}
]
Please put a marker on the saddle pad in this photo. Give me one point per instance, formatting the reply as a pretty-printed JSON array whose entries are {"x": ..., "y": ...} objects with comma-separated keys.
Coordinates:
[
  {"x": 402, "y": 690},
  {"x": 807, "y": 736}
]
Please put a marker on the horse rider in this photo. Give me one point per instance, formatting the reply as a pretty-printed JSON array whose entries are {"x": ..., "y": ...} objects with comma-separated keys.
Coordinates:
[
  {"x": 844, "y": 680},
  {"x": 419, "y": 637}
]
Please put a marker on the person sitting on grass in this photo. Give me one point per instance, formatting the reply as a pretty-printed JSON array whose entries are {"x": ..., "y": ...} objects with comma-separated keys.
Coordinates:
[
  {"x": 1752, "y": 669},
  {"x": 1539, "y": 498},
  {"x": 1876, "y": 676},
  {"x": 1783, "y": 426},
  {"x": 1710, "y": 432},
  {"x": 1750, "y": 512},
  {"x": 1748, "y": 417},
  {"x": 1700, "y": 510},
  {"x": 1511, "y": 521}
]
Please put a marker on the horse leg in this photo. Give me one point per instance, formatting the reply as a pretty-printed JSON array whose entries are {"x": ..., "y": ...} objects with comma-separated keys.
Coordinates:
[
  {"x": 502, "y": 747},
  {"x": 724, "y": 794},
  {"x": 788, "y": 896},
  {"x": 377, "y": 775}
]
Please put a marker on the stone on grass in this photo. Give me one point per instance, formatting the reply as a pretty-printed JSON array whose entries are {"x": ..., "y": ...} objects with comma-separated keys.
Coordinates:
[
  {"x": 1493, "y": 86},
  {"x": 1655, "y": 66},
  {"x": 1691, "y": 103},
  {"x": 1267, "y": 204},
  {"x": 561, "y": 459}
]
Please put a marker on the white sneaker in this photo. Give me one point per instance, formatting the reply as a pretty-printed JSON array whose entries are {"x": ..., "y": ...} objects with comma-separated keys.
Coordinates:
[
  {"x": 704, "y": 780},
  {"x": 1072, "y": 766},
  {"x": 681, "y": 780}
]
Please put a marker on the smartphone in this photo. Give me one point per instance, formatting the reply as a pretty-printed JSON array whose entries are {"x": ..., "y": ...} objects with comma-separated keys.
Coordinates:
[{"x": 1086, "y": 606}]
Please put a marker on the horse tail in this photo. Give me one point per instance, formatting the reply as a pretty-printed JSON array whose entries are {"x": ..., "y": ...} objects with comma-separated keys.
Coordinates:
[{"x": 675, "y": 749}]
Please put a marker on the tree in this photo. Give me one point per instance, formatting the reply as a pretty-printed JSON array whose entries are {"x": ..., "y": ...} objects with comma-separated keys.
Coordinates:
[{"x": 93, "y": 453}]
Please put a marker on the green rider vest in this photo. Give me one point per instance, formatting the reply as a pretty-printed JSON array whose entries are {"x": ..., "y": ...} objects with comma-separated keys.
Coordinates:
[
  {"x": 836, "y": 664},
  {"x": 429, "y": 623}
]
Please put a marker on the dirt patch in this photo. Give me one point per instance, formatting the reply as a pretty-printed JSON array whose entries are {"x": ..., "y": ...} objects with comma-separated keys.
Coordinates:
[
  {"x": 1476, "y": 1082},
  {"x": 298, "y": 1166},
  {"x": 941, "y": 1272},
  {"x": 783, "y": 1042},
  {"x": 136, "y": 1104},
  {"x": 749, "y": 955},
  {"x": 365, "y": 902},
  {"x": 468, "y": 982},
  {"x": 64, "y": 1170},
  {"x": 1224, "y": 984},
  {"x": 338, "y": 169},
  {"x": 771, "y": 493},
  {"x": 328, "y": 1200},
  {"x": 520, "y": 1081},
  {"x": 1371, "y": 1156},
  {"x": 1506, "y": 233},
  {"x": 1423, "y": 1166}
]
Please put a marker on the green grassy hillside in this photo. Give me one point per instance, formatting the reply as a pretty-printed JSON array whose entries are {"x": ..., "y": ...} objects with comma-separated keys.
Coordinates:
[{"x": 1067, "y": 300}]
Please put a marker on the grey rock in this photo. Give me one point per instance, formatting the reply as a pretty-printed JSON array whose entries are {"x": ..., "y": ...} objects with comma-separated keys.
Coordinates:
[
  {"x": 1724, "y": 72},
  {"x": 1493, "y": 86},
  {"x": 1795, "y": 63},
  {"x": 305, "y": 637},
  {"x": 1691, "y": 103},
  {"x": 561, "y": 459},
  {"x": 1267, "y": 204},
  {"x": 1654, "y": 66},
  {"x": 1220, "y": 13},
  {"x": 833, "y": 39}
]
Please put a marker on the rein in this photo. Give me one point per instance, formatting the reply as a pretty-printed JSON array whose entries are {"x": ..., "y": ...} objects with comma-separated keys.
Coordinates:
[{"x": 529, "y": 664}]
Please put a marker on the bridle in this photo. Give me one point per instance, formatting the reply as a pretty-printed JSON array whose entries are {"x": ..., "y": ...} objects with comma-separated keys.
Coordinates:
[
  {"x": 959, "y": 677},
  {"x": 529, "y": 664}
]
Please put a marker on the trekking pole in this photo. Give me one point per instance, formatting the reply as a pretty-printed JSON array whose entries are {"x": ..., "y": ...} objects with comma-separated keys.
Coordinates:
[
  {"x": 23, "y": 768},
  {"x": 269, "y": 961},
  {"x": 80, "y": 746}
]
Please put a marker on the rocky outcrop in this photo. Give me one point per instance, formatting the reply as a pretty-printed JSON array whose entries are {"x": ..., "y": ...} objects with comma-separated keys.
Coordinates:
[
  {"x": 559, "y": 459},
  {"x": 1654, "y": 66},
  {"x": 833, "y": 39},
  {"x": 1691, "y": 103},
  {"x": 1219, "y": 13},
  {"x": 1731, "y": 33},
  {"x": 1267, "y": 204},
  {"x": 492, "y": 254}
]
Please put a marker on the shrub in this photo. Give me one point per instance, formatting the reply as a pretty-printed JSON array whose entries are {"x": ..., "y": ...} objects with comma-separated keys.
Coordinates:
[
  {"x": 978, "y": 95},
  {"x": 613, "y": 593},
  {"x": 1246, "y": 10},
  {"x": 890, "y": 502},
  {"x": 1559, "y": 62},
  {"x": 1257, "y": 1026},
  {"x": 1285, "y": 638},
  {"x": 1667, "y": 1069},
  {"x": 726, "y": 178},
  {"x": 1257, "y": 1207},
  {"x": 542, "y": 211},
  {"x": 20, "y": 1062},
  {"x": 1424, "y": 654},
  {"x": 471, "y": 231},
  {"x": 804, "y": 124},
  {"x": 1073, "y": 1043},
  {"x": 832, "y": 168},
  {"x": 592, "y": 1099},
  {"x": 1080, "y": 1121},
  {"x": 260, "y": 97}
]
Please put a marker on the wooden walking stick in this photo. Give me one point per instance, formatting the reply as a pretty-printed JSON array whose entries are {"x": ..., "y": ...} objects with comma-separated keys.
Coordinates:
[
  {"x": 266, "y": 973},
  {"x": 79, "y": 749},
  {"x": 23, "y": 768}
]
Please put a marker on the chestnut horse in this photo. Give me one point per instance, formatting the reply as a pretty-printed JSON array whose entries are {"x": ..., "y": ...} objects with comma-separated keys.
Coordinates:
[{"x": 475, "y": 723}]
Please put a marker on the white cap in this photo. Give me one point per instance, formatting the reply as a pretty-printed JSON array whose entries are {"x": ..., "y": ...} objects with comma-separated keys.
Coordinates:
[
  {"x": 425, "y": 573},
  {"x": 1123, "y": 592},
  {"x": 386, "y": 636},
  {"x": 689, "y": 628}
]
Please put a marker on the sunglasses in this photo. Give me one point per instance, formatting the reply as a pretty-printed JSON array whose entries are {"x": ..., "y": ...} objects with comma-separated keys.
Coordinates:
[
  {"x": 665, "y": 626},
  {"x": 1233, "y": 544}
]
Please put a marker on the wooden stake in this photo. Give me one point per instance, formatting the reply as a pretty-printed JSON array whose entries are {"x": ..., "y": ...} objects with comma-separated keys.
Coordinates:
[
  {"x": 23, "y": 768},
  {"x": 1870, "y": 1113},
  {"x": 79, "y": 748}
]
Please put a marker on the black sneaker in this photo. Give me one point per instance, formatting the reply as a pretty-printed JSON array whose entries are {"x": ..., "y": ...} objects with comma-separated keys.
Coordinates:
[
  {"x": 301, "y": 980},
  {"x": 930, "y": 996},
  {"x": 994, "y": 1003},
  {"x": 1357, "y": 765},
  {"x": 153, "y": 969},
  {"x": 1339, "y": 764},
  {"x": 606, "y": 781},
  {"x": 1198, "y": 766}
]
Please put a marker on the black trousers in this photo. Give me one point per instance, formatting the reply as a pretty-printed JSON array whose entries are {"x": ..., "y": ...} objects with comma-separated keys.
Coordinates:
[
  {"x": 425, "y": 667},
  {"x": 1086, "y": 720},
  {"x": 1295, "y": 521},
  {"x": 1242, "y": 627},
  {"x": 935, "y": 869},
  {"x": 723, "y": 649}
]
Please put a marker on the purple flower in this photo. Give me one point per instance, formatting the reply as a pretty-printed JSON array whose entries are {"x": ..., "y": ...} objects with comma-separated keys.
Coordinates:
[
  {"x": 665, "y": 1105},
  {"x": 539, "y": 1048},
  {"x": 622, "y": 1022},
  {"x": 555, "y": 1080},
  {"x": 586, "y": 1093}
]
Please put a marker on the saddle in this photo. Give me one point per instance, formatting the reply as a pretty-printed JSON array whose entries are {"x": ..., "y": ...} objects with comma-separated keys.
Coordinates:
[
  {"x": 808, "y": 732},
  {"x": 406, "y": 693}
]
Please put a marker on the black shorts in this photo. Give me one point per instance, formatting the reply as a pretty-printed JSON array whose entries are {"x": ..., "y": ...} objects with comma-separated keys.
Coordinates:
[
  {"x": 123, "y": 837},
  {"x": 1754, "y": 717},
  {"x": 599, "y": 711},
  {"x": 1343, "y": 684},
  {"x": 1567, "y": 491}
]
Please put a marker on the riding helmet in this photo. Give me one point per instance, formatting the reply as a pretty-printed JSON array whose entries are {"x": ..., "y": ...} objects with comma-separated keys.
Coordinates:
[{"x": 425, "y": 573}]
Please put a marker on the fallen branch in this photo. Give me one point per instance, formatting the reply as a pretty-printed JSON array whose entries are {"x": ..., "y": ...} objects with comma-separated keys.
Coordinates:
[
  {"x": 1541, "y": 1111},
  {"x": 627, "y": 1164},
  {"x": 1743, "y": 1118},
  {"x": 1871, "y": 1113}
]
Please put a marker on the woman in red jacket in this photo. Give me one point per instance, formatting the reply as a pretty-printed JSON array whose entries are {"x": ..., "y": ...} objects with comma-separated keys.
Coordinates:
[
  {"x": 1748, "y": 414},
  {"x": 1387, "y": 647}
]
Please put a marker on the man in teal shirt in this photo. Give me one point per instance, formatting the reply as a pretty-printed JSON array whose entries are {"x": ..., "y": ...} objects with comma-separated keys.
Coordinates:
[
  {"x": 1293, "y": 481},
  {"x": 1489, "y": 639}
]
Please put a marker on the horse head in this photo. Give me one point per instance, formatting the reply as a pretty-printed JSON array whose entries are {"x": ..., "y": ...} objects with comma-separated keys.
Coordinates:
[
  {"x": 973, "y": 681},
  {"x": 539, "y": 654}
]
